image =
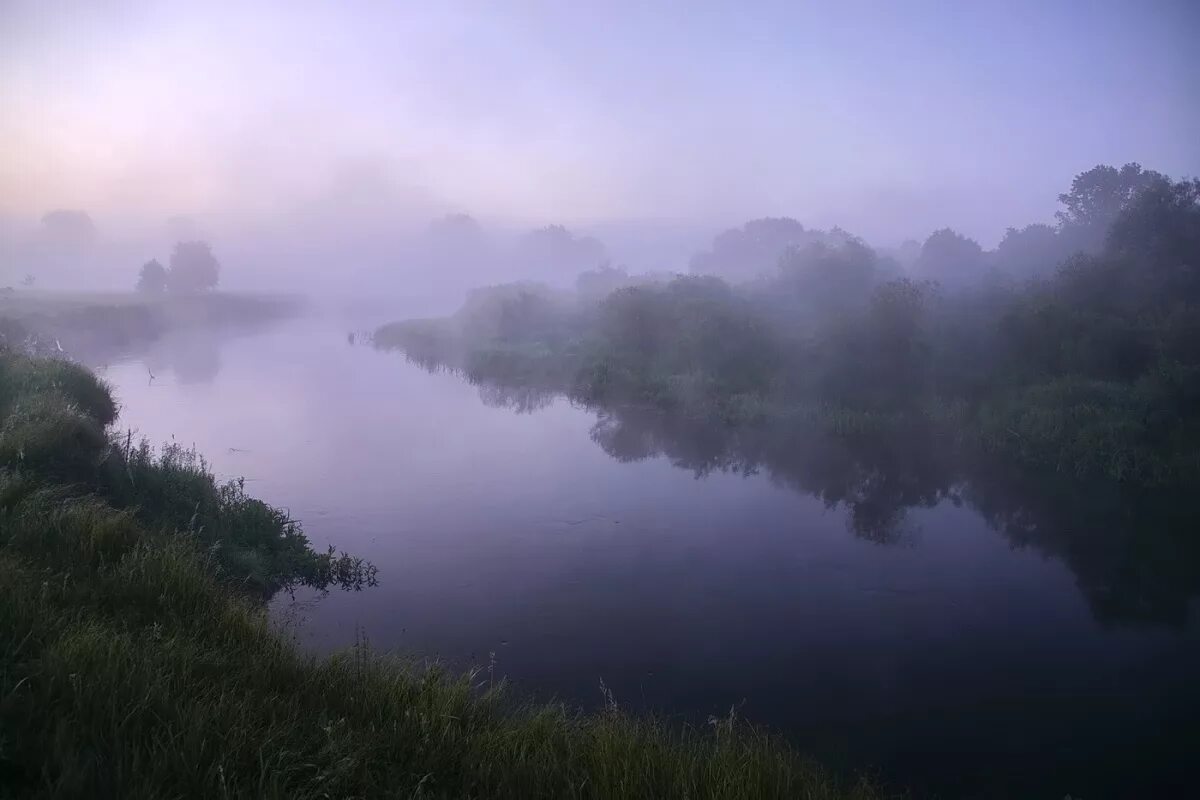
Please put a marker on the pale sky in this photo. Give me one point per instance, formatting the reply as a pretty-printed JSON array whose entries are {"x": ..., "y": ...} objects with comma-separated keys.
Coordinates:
[{"x": 883, "y": 117}]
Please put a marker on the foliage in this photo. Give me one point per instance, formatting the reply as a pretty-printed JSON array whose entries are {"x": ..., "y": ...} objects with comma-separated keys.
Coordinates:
[
  {"x": 554, "y": 253},
  {"x": 950, "y": 258},
  {"x": 755, "y": 249},
  {"x": 152, "y": 279},
  {"x": 1032, "y": 251},
  {"x": 1097, "y": 197},
  {"x": 193, "y": 268},
  {"x": 71, "y": 228},
  {"x": 54, "y": 417}
]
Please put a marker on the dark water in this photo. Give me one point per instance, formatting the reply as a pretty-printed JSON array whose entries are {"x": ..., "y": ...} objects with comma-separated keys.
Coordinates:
[{"x": 951, "y": 655}]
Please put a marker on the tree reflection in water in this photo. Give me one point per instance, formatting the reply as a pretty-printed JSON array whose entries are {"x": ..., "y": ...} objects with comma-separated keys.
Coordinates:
[{"x": 1131, "y": 552}]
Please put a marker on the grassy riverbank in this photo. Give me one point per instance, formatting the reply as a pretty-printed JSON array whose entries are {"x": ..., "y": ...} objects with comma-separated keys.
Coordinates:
[
  {"x": 104, "y": 324},
  {"x": 136, "y": 659}
]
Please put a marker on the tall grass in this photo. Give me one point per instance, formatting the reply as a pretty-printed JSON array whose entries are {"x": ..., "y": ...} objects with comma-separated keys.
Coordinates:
[{"x": 137, "y": 661}]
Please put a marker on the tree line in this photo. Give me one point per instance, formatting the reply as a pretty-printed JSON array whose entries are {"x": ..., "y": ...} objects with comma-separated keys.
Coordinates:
[
  {"x": 1072, "y": 348},
  {"x": 192, "y": 268}
]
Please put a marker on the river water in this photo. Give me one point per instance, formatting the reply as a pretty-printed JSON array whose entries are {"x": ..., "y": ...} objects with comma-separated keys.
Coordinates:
[{"x": 950, "y": 658}]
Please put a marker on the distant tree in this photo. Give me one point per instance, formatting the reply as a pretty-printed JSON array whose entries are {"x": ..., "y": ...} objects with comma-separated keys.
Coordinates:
[
  {"x": 455, "y": 226},
  {"x": 1097, "y": 197},
  {"x": 950, "y": 258},
  {"x": 193, "y": 268},
  {"x": 825, "y": 278},
  {"x": 755, "y": 248},
  {"x": 454, "y": 242},
  {"x": 553, "y": 252},
  {"x": 1158, "y": 236},
  {"x": 69, "y": 228},
  {"x": 1032, "y": 250},
  {"x": 153, "y": 278},
  {"x": 596, "y": 284}
]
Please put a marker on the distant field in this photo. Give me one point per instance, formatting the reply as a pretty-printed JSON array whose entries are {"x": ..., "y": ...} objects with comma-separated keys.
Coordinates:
[
  {"x": 29, "y": 301},
  {"x": 101, "y": 324}
]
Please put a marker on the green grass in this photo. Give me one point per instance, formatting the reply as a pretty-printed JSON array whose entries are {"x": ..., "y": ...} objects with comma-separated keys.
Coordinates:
[{"x": 137, "y": 661}]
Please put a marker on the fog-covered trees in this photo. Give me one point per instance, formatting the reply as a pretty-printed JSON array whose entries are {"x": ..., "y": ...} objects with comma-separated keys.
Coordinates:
[
  {"x": 1097, "y": 197},
  {"x": 455, "y": 240},
  {"x": 68, "y": 228},
  {"x": 193, "y": 268},
  {"x": 1033, "y": 250},
  {"x": 950, "y": 258},
  {"x": 823, "y": 278},
  {"x": 755, "y": 248},
  {"x": 152, "y": 279},
  {"x": 556, "y": 254},
  {"x": 596, "y": 284},
  {"x": 1091, "y": 368}
]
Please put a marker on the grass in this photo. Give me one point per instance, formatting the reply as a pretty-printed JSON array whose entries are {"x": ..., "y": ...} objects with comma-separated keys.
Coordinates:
[
  {"x": 137, "y": 661},
  {"x": 102, "y": 324}
]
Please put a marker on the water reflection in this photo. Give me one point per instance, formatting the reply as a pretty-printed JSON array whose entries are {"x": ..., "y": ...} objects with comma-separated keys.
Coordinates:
[
  {"x": 1134, "y": 554},
  {"x": 191, "y": 357}
]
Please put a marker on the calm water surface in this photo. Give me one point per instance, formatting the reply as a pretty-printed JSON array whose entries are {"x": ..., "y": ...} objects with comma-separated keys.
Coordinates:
[{"x": 948, "y": 660}]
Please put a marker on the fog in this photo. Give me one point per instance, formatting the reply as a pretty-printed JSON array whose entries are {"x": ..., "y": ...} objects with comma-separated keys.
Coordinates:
[
  {"x": 313, "y": 144},
  {"x": 829, "y": 365}
]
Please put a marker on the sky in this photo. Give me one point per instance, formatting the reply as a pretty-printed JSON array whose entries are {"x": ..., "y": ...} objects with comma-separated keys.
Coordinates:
[{"x": 889, "y": 118}]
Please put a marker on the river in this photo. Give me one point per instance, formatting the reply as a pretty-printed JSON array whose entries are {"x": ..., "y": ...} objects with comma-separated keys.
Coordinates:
[{"x": 950, "y": 658}]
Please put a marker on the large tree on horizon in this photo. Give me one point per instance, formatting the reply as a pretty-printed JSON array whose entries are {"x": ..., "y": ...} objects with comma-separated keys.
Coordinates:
[
  {"x": 194, "y": 268},
  {"x": 152, "y": 279},
  {"x": 1097, "y": 197}
]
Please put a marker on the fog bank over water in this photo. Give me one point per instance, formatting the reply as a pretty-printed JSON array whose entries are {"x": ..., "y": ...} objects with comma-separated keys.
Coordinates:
[{"x": 301, "y": 135}]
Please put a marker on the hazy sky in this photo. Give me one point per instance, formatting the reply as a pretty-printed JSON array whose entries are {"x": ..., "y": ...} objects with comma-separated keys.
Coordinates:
[{"x": 887, "y": 117}]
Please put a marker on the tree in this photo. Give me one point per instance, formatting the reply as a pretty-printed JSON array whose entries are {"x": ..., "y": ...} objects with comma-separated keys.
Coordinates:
[
  {"x": 455, "y": 227},
  {"x": 153, "y": 278},
  {"x": 554, "y": 252},
  {"x": 69, "y": 228},
  {"x": 755, "y": 248},
  {"x": 1157, "y": 236},
  {"x": 1032, "y": 250},
  {"x": 819, "y": 281},
  {"x": 596, "y": 284},
  {"x": 1097, "y": 198},
  {"x": 950, "y": 258},
  {"x": 193, "y": 268}
]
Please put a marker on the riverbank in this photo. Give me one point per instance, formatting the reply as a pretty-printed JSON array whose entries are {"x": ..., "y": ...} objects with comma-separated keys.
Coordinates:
[
  {"x": 136, "y": 659},
  {"x": 101, "y": 325}
]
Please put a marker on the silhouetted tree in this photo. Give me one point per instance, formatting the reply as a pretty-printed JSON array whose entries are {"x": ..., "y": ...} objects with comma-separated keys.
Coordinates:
[
  {"x": 69, "y": 228},
  {"x": 153, "y": 278},
  {"x": 825, "y": 279},
  {"x": 1029, "y": 251},
  {"x": 950, "y": 258},
  {"x": 1097, "y": 197},
  {"x": 455, "y": 226},
  {"x": 193, "y": 268},
  {"x": 553, "y": 252},
  {"x": 596, "y": 284},
  {"x": 756, "y": 248}
]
